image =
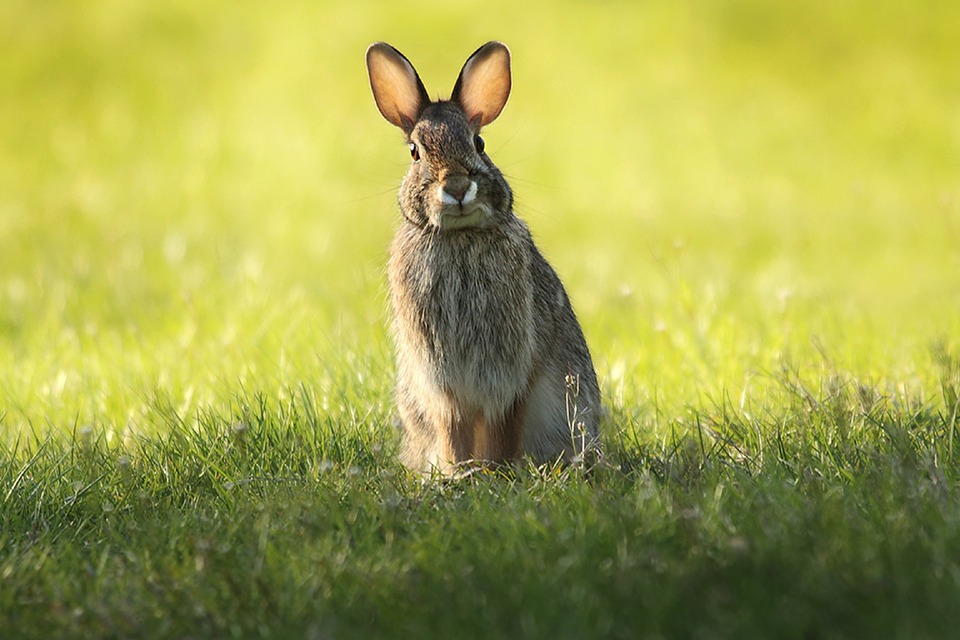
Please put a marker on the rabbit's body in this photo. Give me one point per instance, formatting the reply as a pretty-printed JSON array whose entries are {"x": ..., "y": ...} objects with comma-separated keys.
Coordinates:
[
  {"x": 478, "y": 349},
  {"x": 491, "y": 360}
]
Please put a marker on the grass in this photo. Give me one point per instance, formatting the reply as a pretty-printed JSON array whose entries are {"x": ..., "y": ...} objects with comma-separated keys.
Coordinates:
[{"x": 755, "y": 209}]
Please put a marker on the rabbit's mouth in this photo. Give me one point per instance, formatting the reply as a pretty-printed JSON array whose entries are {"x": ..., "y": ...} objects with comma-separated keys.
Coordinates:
[{"x": 459, "y": 217}]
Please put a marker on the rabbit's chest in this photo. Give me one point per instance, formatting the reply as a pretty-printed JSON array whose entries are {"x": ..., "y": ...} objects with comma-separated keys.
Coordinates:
[
  {"x": 480, "y": 339},
  {"x": 476, "y": 309},
  {"x": 467, "y": 313}
]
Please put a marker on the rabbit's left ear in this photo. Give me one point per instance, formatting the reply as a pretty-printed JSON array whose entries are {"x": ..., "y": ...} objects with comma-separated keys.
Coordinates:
[{"x": 484, "y": 83}]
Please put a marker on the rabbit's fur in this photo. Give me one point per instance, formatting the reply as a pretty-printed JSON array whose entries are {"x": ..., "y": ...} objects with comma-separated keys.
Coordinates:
[{"x": 491, "y": 360}]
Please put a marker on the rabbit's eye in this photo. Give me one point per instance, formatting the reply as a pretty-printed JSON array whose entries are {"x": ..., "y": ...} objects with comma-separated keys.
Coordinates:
[
  {"x": 414, "y": 151},
  {"x": 478, "y": 143}
]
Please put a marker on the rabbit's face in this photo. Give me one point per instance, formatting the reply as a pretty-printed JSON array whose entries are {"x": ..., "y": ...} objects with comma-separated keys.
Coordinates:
[{"x": 452, "y": 183}]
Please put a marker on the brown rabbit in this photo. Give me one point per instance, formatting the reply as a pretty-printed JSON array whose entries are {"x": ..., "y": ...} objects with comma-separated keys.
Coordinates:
[{"x": 491, "y": 360}]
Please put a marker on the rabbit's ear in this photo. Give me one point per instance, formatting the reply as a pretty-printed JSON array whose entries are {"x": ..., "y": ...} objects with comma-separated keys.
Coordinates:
[
  {"x": 396, "y": 86},
  {"x": 484, "y": 83}
]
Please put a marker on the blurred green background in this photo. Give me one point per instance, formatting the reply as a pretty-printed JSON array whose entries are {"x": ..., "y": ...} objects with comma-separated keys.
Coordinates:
[{"x": 196, "y": 198}]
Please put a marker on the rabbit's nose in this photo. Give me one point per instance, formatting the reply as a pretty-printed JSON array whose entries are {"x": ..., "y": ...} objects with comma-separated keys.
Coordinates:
[{"x": 459, "y": 188}]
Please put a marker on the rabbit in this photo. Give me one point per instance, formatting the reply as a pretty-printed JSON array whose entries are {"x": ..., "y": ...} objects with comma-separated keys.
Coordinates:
[{"x": 492, "y": 364}]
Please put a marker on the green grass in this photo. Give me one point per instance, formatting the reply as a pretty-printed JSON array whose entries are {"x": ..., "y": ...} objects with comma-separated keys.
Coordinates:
[{"x": 755, "y": 208}]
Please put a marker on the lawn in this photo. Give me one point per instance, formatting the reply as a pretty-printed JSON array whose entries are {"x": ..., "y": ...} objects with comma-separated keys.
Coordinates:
[{"x": 755, "y": 208}]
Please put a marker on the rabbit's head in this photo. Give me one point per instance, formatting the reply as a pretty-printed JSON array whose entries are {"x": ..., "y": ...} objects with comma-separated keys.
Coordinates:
[{"x": 452, "y": 183}]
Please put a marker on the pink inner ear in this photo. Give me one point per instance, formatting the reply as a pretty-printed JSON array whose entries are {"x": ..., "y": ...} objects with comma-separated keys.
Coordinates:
[
  {"x": 485, "y": 86},
  {"x": 395, "y": 85}
]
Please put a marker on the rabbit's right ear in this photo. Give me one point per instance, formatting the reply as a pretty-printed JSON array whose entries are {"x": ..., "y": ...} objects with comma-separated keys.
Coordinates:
[{"x": 396, "y": 86}]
